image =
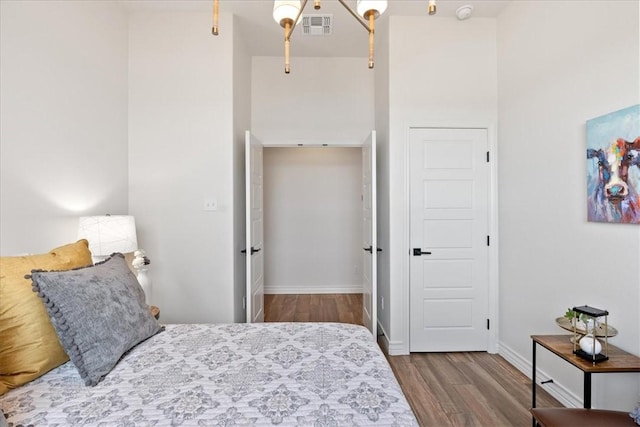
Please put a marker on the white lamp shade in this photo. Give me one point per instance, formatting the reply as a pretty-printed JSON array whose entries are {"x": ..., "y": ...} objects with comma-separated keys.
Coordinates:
[
  {"x": 108, "y": 234},
  {"x": 365, "y": 6},
  {"x": 285, "y": 9}
]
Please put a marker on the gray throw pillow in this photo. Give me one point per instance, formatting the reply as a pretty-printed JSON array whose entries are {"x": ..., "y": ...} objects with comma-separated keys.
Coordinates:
[{"x": 99, "y": 313}]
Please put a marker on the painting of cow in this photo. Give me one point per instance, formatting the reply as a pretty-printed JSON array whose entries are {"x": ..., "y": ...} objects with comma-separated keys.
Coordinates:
[{"x": 613, "y": 167}]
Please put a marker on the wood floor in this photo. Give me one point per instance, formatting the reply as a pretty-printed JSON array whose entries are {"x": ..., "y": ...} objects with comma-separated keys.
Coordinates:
[
  {"x": 342, "y": 308},
  {"x": 444, "y": 389}
]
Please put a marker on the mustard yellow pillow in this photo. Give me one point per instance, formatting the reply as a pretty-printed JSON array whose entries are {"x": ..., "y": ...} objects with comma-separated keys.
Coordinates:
[{"x": 29, "y": 346}]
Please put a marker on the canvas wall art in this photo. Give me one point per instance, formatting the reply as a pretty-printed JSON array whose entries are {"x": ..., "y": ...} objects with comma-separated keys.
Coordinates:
[{"x": 613, "y": 167}]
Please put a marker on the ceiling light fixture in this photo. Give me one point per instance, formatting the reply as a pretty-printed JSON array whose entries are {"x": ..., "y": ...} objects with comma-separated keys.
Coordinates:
[{"x": 287, "y": 13}]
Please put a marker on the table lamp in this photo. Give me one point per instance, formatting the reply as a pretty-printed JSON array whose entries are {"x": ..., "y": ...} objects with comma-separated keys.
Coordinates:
[{"x": 108, "y": 234}]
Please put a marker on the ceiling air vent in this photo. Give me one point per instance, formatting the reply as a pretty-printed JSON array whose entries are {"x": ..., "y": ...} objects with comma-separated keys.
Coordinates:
[{"x": 316, "y": 25}]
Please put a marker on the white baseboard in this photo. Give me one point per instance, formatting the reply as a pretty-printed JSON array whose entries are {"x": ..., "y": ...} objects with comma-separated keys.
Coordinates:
[
  {"x": 383, "y": 339},
  {"x": 393, "y": 348},
  {"x": 555, "y": 389},
  {"x": 320, "y": 289},
  {"x": 397, "y": 348}
]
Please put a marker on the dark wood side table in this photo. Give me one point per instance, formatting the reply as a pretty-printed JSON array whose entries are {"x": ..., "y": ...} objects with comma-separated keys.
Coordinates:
[
  {"x": 561, "y": 345},
  {"x": 155, "y": 311}
]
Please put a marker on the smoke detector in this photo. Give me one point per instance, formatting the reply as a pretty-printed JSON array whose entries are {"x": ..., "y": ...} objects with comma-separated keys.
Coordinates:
[
  {"x": 464, "y": 12},
  {"x": 316, "y": 25}
]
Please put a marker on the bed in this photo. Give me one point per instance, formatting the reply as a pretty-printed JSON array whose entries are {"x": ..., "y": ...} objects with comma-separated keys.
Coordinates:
[
  {"x": 302, "y": 374},
  {"x": 79, "y": 346}
]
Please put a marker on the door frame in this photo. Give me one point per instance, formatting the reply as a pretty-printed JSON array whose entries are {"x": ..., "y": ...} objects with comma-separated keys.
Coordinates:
[
  {"x": 493, "y": 309},
  {"x": 250, "y": 142},
  {"x": 370, "y": 144},
  {"x": 372, "y": 136}
]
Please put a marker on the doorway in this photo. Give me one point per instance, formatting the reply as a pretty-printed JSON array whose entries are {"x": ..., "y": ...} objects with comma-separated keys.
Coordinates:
[
  {"x": 302, "y": 204},
  {"x": 312, "y": 220},
  {"x": 313, "y": 234}
]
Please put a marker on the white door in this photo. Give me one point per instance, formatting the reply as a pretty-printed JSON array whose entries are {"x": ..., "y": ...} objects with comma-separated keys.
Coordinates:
[
  {"x": 254, "y": 225},
  {"x": 449, "y": 217},
  {"x": 369, "y": 236}
]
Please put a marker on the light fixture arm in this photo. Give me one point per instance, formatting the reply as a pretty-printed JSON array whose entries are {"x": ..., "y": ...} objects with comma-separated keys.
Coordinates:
[
  {"x": 371, "y": 38},
  {"x": 355, "y": 15},
  {"x": 290, "y": 25},
  {"x": 295, "y": 21},
  {"x": 216, "y": 14},
  {"x": 287, "y": 43},
  {"x": 370, "y": 27}
]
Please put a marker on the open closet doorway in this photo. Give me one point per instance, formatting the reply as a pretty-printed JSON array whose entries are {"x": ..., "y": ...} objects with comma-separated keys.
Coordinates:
[{"x": 313, "y": 233}]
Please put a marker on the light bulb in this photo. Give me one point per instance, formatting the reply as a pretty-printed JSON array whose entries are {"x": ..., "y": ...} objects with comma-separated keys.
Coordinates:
[
  {"x": 285, "y": 10},
  {"x": 365, "y": 7}
]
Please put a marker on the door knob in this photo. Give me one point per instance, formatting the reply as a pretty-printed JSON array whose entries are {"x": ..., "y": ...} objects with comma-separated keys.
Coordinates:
[
  {"x": 253, "y": 250},
  {"x": 418, "y": 252},
  {"x": 370, "y": 249}
]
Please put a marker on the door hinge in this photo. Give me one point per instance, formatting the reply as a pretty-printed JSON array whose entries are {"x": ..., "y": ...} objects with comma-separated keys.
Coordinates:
[
  {"x": 488, "y": 325},
  {"x": 487, "y": 157},
  {"x": 488, "y": 240},
  {"x": 244, "y": 302}
]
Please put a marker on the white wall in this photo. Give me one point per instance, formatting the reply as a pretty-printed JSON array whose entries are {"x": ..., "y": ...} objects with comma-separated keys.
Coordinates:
[
  {"x": 313, "y": 220},
  {"x": 181, "y": 152},
  {"x": 241, "y": 123},
  {"x": 551, "y": 82},
  {"x": 321, "y": 100},
  {"x": 441, "y": 72},
  {"x": 63, "y": 109}
]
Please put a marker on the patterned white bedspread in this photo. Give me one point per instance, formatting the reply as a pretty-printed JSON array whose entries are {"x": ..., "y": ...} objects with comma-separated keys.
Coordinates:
[{"x": 290, "y": 374}]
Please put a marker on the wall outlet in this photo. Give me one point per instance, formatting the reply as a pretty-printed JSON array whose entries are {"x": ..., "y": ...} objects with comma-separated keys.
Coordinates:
[{"x": 210, "y": 205}]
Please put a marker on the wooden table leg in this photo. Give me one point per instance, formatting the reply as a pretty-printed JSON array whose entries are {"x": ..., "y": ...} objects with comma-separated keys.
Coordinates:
[
  {"x": 533, "y": 383},
  {"x": 587, "y": 390}
]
